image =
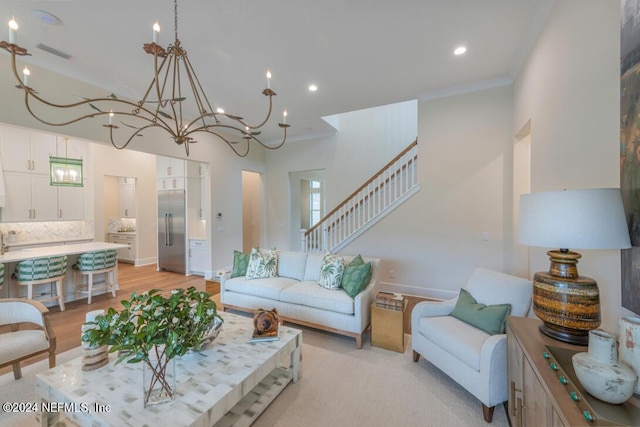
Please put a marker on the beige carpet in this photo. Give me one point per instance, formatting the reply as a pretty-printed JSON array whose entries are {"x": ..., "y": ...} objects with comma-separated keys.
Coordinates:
[{"x": 340, "y": 386}]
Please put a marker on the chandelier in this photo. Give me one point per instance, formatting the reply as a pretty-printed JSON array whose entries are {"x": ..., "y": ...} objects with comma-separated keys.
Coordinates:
[{"x": 164, "y": 104}]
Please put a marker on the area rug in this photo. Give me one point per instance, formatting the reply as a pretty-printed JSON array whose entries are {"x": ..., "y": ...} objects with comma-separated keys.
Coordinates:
[{"x": 340, "y": 386}]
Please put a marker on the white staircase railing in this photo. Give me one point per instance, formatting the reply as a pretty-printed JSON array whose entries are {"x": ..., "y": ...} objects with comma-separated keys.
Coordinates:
[{"x": 381, "y": 194}]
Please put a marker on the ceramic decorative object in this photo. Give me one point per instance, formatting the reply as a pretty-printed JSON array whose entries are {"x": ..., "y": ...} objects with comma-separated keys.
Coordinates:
[
  {"x": 630, "y": 345},
  {"x": 600, "y": 373},
  {"x": 96, "y": 356}
]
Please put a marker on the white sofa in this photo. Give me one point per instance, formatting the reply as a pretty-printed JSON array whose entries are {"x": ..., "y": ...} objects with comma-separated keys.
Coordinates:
[{"x": 299, "y": 299}]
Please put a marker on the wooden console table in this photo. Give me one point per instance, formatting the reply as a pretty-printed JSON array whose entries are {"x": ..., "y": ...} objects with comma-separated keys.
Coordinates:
[{"x": 543, "y": 389}]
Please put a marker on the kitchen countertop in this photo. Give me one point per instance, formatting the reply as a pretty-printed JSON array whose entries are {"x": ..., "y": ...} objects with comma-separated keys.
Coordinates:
[
  {"x": 125, "y": 233},
  {"x": 47, "y": 251}
]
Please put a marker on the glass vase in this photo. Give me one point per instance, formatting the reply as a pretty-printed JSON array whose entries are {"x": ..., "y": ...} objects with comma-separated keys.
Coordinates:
[{"x": 159, "y": 380}]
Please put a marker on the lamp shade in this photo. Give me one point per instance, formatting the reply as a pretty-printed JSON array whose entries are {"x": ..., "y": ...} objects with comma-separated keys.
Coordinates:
[{"x": 574, "y": 219}]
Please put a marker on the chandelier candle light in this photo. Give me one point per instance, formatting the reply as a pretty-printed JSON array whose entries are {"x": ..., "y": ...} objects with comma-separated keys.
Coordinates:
[{"x": 164, "y": 104}]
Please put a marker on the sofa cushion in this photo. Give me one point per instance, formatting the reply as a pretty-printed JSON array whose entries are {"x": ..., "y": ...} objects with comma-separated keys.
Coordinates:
[
  {"x": 291, "y": 264},
  {"x": 356, "y": 276},
  {"x": 312, "y": 267},
  {"x": 240, "y": 264},
  {"x": 262, "y": 264},
  {"x": 265, "y": 288},
  {"x": 456, "y": 337},
  {"x": 310, "y": 294},
  {"x": 489, "y": 318},
  {"x": 331, "y": 271}
]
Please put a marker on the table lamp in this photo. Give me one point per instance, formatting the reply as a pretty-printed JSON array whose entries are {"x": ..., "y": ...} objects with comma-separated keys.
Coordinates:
[{"x": 569, "y": 304}]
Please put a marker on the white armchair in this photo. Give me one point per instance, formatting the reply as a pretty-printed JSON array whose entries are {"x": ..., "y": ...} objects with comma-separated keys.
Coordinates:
[
  {"x": 17, "y": 345},
  {"x": 470, "y": 356}
]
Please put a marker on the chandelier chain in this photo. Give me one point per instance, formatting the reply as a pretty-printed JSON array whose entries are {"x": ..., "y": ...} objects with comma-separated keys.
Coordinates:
[{"x": 175, "y": 18}]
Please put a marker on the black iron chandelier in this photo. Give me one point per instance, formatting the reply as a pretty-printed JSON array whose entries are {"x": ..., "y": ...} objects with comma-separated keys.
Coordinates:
[{"x": 163, "y": 104}]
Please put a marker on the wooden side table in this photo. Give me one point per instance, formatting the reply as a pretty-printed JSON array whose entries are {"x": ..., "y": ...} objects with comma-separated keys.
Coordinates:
[
  {"x": 212, "y": 286},
  {"x": 387, "y": 328}
]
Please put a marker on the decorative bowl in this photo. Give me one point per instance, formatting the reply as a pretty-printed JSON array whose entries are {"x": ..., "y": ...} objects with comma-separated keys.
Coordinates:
[{"x": 212, "y": 332}]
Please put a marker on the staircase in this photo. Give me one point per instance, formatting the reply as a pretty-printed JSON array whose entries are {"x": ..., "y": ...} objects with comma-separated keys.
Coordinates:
[{"x": 381, "y": 194}]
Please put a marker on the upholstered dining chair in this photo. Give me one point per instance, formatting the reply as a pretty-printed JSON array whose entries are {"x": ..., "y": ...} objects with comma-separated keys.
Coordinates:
[
  {"x": 17, "y": 345},
  {"x": 464, "y": 337}
]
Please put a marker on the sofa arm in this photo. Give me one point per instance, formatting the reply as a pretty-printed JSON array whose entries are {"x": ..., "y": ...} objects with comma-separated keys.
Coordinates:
[
  {"x": 432, "y": 309},
  {"x": 493, "y": 369},
  {"x": 223, "y": 280},
  {"x": 362, "y": 305}
]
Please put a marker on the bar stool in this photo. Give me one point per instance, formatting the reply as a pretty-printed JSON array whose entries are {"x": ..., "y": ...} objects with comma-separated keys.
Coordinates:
[
  {"x": 96, "y": 262},
  {"x": 1, "y": 276},
  {"x": 42, "y": 270}
]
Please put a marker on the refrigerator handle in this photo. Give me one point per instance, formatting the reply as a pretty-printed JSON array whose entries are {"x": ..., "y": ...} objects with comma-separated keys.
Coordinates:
[
  {"x": 166, "y": 229},
  {"x": 170, "y": 229}
]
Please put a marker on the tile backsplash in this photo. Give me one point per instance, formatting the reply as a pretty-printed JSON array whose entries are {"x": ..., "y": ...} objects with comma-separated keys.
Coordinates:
[
  {"x": 53, "y": 231},
  {"x": 119, "y": 225}
]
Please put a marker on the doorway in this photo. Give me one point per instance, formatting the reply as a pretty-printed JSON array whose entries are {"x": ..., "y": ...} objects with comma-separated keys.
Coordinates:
[
  {"x": 307, "y": 195},
  {"x": 252, "y": 210}
]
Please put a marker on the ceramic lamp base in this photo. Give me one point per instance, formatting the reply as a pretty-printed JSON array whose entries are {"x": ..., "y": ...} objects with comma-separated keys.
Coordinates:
[{"x": 567, "y": 304}]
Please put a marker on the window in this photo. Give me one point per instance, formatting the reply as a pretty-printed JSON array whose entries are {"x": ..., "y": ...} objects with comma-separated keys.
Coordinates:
[{"x": 316, "y": 202}]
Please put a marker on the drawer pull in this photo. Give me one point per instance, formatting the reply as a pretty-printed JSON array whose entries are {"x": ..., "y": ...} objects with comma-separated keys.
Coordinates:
[
  {"x": 574, "y": 396},
  {"x": 563, "y": 380},
  {"x": 545, "y": 355},
  {"x": 588, "y": 416},
  {"x": 554, "y": 367}
]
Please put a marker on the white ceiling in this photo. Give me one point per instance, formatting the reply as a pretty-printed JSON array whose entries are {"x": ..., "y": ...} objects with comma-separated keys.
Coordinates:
[{"x": 360, "y": 53}]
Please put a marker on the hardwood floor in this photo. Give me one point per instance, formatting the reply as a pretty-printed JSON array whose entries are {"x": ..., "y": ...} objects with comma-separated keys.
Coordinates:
[{"x": 66, "y": 324}]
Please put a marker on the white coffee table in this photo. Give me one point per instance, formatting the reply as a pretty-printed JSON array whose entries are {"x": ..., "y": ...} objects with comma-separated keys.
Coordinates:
[{"x": 229, "y": 383}]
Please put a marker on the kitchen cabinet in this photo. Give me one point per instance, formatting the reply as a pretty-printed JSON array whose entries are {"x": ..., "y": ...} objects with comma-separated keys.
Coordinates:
[
  {"x": 197, "y": 256},
  {"x": 171, "y": 173},
  {"x": 26, "y": 151},
  {"x": 129, "y": 253},
  {"x": 30, "y": 197},
  {"x": 127, "y": 188}
]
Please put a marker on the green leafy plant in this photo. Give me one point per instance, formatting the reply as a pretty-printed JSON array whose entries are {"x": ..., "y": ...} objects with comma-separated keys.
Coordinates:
[
  {"x": 154, "y": 329},
  {"x": 152, "y": 322}
]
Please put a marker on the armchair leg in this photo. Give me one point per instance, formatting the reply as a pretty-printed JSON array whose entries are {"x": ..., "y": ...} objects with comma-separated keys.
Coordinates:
[
  {"x": 17, "y": 372},
  {"x": 416, "y": 356},
  {"x": 487, "y": 413},
  {"x": 52, "y": 360}
]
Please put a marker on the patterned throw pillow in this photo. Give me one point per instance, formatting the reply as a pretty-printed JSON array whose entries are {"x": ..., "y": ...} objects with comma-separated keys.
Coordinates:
[
  {"x": 240, "y": 264},
  {"x": 331, "y": 271},
  {"x": 356, "y": 276},
  {"x": 262, "y": 264}
]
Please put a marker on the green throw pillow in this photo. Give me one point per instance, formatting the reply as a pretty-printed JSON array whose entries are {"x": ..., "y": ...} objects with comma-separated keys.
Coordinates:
[
  {"x": 489, "y": 318},
  {"x": 240, "y": 263},
  {"x": 356, "y": 276}
]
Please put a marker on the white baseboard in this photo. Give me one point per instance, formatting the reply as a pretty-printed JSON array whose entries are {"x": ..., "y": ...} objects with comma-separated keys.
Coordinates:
[{"x": 146, "y": 261}]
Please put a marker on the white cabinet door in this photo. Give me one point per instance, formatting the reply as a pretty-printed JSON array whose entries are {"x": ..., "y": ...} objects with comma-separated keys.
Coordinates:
[
  {"x": 44, "y": 199},
  {"x": 43, "y": 146},
  {"x": 71, "y": 203},
  {"x": 197, "y": 256},
  {"x": 15, "y": 150},
  {"x": 18, "y": 188}
]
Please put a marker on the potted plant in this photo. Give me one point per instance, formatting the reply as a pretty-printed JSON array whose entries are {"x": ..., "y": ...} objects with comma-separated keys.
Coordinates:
[{"x": 154, "y": 329}]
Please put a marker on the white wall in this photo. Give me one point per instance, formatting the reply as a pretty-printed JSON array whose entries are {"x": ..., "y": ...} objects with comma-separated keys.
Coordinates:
[
  {"x": 569, "y": 87},
  {"x": 368, "y": 140},
  {"x": 464, "y": 155}
]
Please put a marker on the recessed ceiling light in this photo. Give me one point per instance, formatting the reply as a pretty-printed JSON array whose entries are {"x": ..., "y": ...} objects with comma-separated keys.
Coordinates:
[
  {"x": 459, "y": 50},
  {"x": 47, "y": 17},
  {"x": 313, "y": 88}
]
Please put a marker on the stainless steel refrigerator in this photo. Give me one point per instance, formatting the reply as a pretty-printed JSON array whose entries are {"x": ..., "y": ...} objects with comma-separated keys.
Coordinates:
[{"x": 171, "y": 231}]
